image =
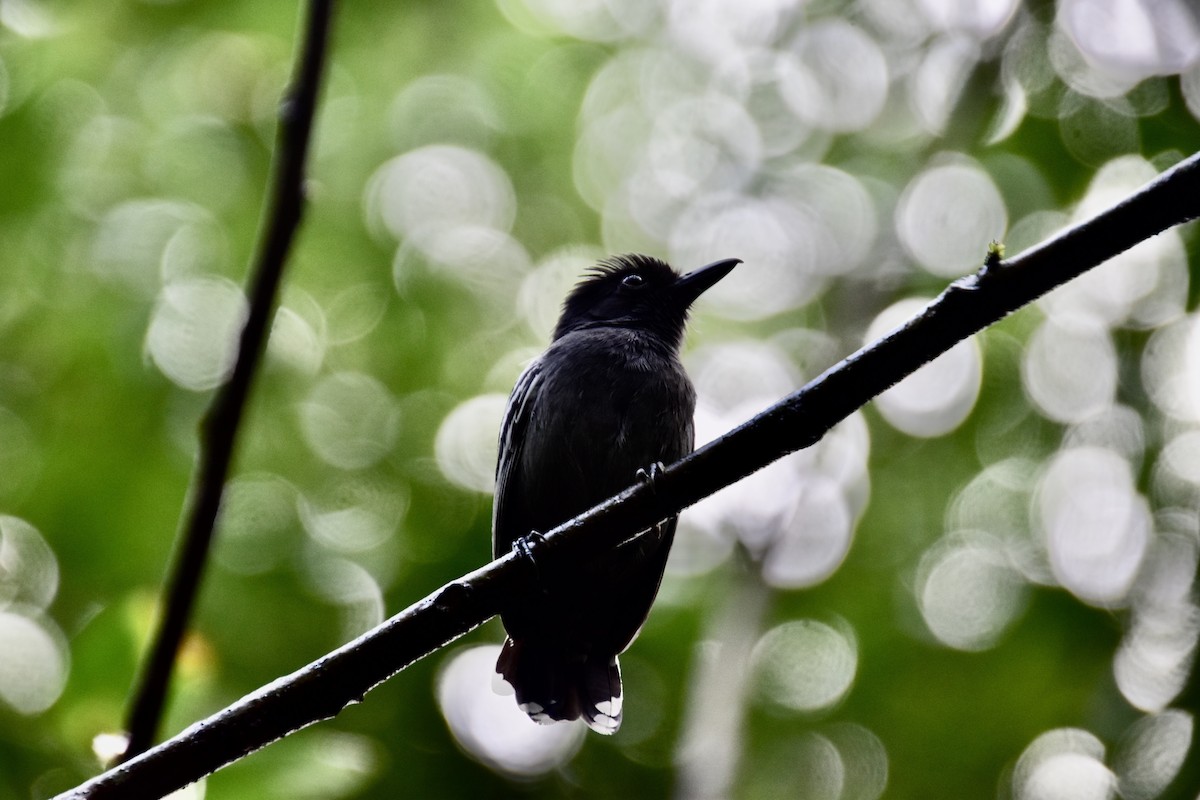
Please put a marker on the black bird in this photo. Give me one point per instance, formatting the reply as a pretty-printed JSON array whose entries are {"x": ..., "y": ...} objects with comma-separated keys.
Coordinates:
[{"x": 608, "y": 398}]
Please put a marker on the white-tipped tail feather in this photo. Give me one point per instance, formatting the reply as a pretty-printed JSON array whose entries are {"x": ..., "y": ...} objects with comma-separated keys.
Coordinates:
[{"x": 552, "y": 686}]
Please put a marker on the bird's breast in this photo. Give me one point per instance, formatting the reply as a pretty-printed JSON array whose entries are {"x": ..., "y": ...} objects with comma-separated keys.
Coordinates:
[{"x": 608, "y": 406}]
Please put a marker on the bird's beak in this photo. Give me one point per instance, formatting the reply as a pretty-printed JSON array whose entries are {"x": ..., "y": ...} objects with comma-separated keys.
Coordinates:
[{"x": 698, "y": 281}]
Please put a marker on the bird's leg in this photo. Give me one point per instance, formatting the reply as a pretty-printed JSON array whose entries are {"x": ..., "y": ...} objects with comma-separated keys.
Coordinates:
[
  {"x": 524, "y": 547},
  {"x": 646, "y": 541},
  {"x": 650, "y": 476}
]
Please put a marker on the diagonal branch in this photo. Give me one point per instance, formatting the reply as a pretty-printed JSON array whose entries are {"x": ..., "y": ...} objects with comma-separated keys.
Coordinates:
[
  {"x": 220, "y": 426},
  {"x": 323, "y": 688}
]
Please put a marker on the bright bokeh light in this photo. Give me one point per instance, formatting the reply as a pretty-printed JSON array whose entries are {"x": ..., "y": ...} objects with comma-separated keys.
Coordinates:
[
  {"x": 996, "y": 501},
  {"x": 27, "y": 19},
  {"x": 948, "y": 214},
  {"x": 815, "y": 541},
  {"x": 142, "y": 242},
  {"x": 1176, "y": 480},
  {"x": 820, "y": 771},
  {"x": 603, "y": 152},
  {"x": 968, "y": 592},
  {"x": 1063, "y": 764},
  {"x": 1012, "y": 113},
  {"x": 980, "y": 18},
  {"x": 939, "y": 396},
  {"x": 299, "y": 335},
  {"x": 1094, "y": 131},
  {"x": 729, "y": 374},
  {"x": 707, "y": 28},
  {"x": 842, "y": 761},
  {"x": 354, "y": 312},
  {"x": 1151, "y": 753},
  {"x": 441, "y": 108},
  {"x": 33, "y": 661},
  {"x": 812, "y": 223},
  {"x": 757, "y": 79},
  {"x": 354, "y": 517},
  {"x": 490, "y": 727},
  {"x": 1157, "y": 650},
  {"x": 467, "y": 442},
  {"x": 994, "y": 508},
  {"x": 838, "y": 77},
  {"x": 699, "y": 142},
  {"x": 1069, "y": 776},
  {"x": 109, "y": 746},
  {"x": 1189, "y": 84},
  {"x": 796, "y": 516},
  {"x": 1033, "y": 229},
  {"x": 666, "y": 157},
  {"x": 193, "y": 334},
  {"x": 1095, "y": 525},
  {"x": 350, "y": 420},
  {"x": 1171, "y": 369},
  {"x": 754, "y": 511},
  {"x": 481, "y": 258},
  {"x": 542, "y": 292},
  {"x": 805, "y": 665},
  {"x": 296, "y": 342},
  {"x": 33, "y": 651},
  {"x": 590, "y": 20},
  {"x": 432, "y": 190},
  {"x": 866, "y": 760},
  {"x": 1070, "y": 373},
  {"x": 842, "y": 214},
  {"x": 28, "y": 567},
  {"x": 1118, "y": 428},
  {"x": 767, "y": 235},
  {"x": 938, "y": 81},
  {"x": 454, "y": 207},
  {"x": 1130, "y": 40},
  {"x": 834, "y": 487},
  {"x": 702, "y": 540}
]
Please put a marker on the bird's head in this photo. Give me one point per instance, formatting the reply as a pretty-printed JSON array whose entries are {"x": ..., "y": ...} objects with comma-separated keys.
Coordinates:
[{"x": 640, "y": 292}]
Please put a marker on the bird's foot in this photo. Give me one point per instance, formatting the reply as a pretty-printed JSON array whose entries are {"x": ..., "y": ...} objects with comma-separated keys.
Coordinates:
[
  {"x": 650, "y": 476},
  {"x": 525, "y": 547}
]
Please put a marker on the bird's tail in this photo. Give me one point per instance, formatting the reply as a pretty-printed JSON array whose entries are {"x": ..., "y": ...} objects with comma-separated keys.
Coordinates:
[{"x": 553, "y": 686}]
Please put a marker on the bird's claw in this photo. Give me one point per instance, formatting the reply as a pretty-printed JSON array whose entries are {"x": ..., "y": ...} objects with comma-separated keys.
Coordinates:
[
  {"x": 525, "y": 546},
  {"x": 650, "y": 476}
]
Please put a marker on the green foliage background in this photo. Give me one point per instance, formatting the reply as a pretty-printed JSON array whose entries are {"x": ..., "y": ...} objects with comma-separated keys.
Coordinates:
[{"x": 112, "y": 101}]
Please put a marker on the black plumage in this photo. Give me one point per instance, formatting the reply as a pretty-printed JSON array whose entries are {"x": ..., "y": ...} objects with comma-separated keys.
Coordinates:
[{"x": 607, "y": 398}]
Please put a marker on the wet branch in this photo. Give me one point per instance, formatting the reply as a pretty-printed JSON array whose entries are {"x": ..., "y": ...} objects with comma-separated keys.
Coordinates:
[
  {"x": 323, "y": 688},
  {"x": 219, "y": 428}
]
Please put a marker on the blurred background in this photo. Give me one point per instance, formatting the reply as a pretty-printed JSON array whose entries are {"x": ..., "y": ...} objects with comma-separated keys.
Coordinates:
[{"x": 980, "y": 585}]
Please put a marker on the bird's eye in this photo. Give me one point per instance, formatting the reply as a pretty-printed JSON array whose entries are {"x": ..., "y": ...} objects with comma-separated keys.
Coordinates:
[{"x": 633, "y": 281}]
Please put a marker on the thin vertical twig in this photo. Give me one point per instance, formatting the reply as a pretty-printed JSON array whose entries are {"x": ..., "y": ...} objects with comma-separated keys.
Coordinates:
[
  {"x": 709, "y": 752},
  {"x": 219, "y": 428}
]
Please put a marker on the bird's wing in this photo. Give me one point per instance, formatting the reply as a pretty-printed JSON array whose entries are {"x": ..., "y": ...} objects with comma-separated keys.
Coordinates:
[{"x": 513, "y": 434}]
